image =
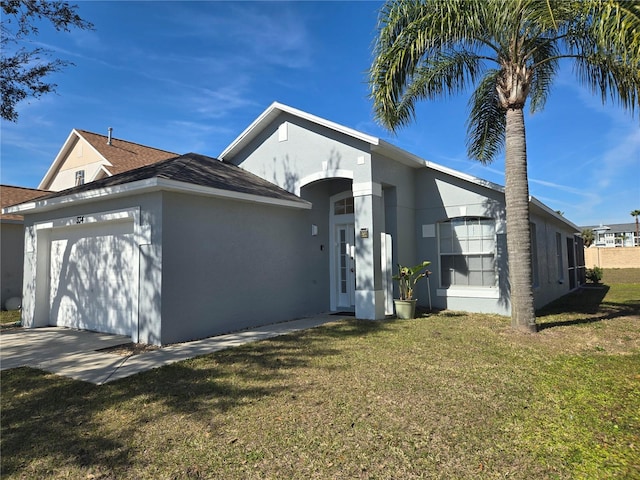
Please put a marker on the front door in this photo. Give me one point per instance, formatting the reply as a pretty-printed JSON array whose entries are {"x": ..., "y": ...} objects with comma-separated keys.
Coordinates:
[{"x": 345, "y": 265}]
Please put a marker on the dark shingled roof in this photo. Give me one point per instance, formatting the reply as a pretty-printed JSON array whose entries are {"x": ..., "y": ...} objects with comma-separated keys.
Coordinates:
[
  {"x": 194, "y": 169},
  {"x": 122, "y": 154},
  {"x": 10, "y": 195}
]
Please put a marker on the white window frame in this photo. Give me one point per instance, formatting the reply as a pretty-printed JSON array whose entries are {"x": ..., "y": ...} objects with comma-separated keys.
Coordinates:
[{"x": 488, "y": 249}]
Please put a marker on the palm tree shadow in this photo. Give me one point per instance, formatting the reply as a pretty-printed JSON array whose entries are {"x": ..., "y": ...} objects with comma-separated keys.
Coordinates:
[{"x": 583, "y": 306}]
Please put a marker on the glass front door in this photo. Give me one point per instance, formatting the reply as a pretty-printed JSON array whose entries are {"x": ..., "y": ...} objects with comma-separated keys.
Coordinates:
[{"x": 345, "y": 265}]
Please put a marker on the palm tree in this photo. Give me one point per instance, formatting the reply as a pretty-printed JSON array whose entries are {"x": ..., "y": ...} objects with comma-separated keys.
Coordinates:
[
  {"x": 510, "y": 50},
  {"x": 587, "y": 237},
  {"x": 636, "y": 213}
]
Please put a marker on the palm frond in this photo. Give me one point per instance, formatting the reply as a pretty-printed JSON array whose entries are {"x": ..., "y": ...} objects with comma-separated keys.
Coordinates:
[
  {"x": 611, "y": 78},
  {"x": 487, "y": 120},
  {"x": 544, "y": 66},
  {"x": 617, "y": 25},
  {"x": 446, "y": 73},
  {"x": 409, "y": 33}
]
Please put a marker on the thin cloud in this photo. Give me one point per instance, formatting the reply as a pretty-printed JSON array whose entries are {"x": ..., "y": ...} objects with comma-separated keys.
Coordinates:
[{"x": 623, "y": 157}]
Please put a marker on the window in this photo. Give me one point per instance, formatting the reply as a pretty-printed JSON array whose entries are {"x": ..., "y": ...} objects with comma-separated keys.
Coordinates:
[
  {"x": 80, "y": 177},
  {"x": 343, "y": 207},
  {"x": 467, "y": 252}
]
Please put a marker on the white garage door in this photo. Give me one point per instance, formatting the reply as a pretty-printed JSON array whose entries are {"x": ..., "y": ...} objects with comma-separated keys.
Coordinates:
[{"x": 92, "y": 273}]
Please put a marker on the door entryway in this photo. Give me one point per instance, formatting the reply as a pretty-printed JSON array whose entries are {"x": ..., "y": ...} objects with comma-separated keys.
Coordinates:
[
  {"x": 346, "y": 265},
  {"x": 343, "y": 252}
]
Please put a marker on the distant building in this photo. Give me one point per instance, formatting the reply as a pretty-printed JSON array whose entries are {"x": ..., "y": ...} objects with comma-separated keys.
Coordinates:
[{"x": 614, "y": 235}]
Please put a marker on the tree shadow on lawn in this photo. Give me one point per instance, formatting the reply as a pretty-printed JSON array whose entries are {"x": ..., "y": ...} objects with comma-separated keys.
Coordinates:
[
  {"x": 50, "y": 420},
  {"x": 584, "y": 306}
]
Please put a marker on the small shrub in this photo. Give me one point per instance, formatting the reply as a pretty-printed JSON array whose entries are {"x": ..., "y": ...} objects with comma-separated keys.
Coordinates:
[{"x": 594, "y": 274}]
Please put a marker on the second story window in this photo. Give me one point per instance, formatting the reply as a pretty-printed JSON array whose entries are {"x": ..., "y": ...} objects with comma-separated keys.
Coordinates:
[{"x": 80, "y": 177}]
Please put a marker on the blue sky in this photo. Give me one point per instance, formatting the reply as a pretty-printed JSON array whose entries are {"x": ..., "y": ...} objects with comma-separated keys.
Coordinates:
[{"x": 191, "y": 76}]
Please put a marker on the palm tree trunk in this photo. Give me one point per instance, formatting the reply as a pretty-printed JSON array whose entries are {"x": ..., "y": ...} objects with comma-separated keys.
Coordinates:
[{"x": 523, "y": 315}]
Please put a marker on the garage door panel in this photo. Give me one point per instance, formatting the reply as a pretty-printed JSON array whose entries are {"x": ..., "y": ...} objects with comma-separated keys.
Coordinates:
[{"x": 91, "y": 272}]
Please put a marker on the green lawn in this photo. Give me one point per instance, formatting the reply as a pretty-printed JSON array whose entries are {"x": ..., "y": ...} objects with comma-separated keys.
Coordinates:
[
  {"x": 448, "y": 396},
  {"x": 9, "y": 317}
]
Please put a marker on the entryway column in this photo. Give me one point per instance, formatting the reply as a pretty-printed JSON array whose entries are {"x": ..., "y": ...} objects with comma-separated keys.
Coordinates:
[{"x": 369, "y": 222}]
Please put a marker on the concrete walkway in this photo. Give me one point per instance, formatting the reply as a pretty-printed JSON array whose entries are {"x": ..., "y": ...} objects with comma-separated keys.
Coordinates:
[{"x": 74, "y": 353}]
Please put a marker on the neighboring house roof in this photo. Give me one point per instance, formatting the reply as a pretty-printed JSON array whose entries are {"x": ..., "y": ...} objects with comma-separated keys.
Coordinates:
[
  {"x": 613, "y": 227},
  {"x": 377, "y": 145},
  {"x": 118, "y": 155},
  {"x": 10, "y": 195},
  {"x": 189, "y": 173}
]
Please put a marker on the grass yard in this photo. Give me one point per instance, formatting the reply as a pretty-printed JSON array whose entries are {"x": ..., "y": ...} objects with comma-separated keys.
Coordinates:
[
  {"x": 9, "y": 317},
  {"x": 448, "y": 396}
]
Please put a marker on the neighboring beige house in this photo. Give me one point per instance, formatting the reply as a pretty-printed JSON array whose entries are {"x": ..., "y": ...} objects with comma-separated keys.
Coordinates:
[
  {"x": 87, "y": 156},
  {"x": 84, "y": 157},
  {"x": 12, "y": 240}
]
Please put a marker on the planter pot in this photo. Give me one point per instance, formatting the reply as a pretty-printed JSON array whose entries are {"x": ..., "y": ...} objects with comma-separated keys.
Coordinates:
[{"x": 405, "y": 309}]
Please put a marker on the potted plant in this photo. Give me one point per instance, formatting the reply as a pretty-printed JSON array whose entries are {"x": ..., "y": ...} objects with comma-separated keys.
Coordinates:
[{"x": 407, "y": 278}]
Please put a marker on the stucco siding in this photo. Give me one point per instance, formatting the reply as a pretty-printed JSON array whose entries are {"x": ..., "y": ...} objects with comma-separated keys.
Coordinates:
[
  {"x": 229, "y": 265},
  {"x": 440, "y": 197},
  {"x": 399, "y": 184},
  {"x": 67, "y": 178},
  {"x": 38, "y": 227},
  {"x": 81, "y": 157},
  {"x": 552, "y": 280},
  {"x": 308, "y": 150},
  {"x": 11, "y": 259}
]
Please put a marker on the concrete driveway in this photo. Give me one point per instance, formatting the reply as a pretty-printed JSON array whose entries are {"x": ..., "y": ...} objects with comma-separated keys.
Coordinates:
[
  {"x": 43, "y": 347},
  {"x": 75, "y": 353}
]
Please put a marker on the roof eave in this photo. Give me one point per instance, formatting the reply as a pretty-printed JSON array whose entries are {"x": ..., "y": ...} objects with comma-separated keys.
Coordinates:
[
  {"x": 144, "y": 186},
  {"x": 276, "y": 109},
  {"x": 554, "y": 214}
]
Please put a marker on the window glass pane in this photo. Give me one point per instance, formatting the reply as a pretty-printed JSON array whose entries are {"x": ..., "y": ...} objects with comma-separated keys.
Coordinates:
[
  {"x": 488, "y": 228},
  {"x": 343, "y": 207},
  {"x": 446, "y": 267},
  {"x": 460, "y": 230},
  {"x": 488, "y": 279},
  {"x": 458, "y": 246},
  {"x": 475, "y": 230},
  {"x": 460, "y": 277},
  {"x": 475, "y": 278},
  {"x": 488, "y": 245},
  {"x": 445, "y": 230},
  {"x": 474, "y": 246},
  {"x": 467, "y": 247},
  {"x": 475, "y": 262},
  {"x": 348, "y": 208}
]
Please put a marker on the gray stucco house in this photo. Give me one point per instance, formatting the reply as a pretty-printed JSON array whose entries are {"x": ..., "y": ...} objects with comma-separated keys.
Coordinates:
[
  {"x": 12, "y": 243},
  {"x": 298, "y": 216}
]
